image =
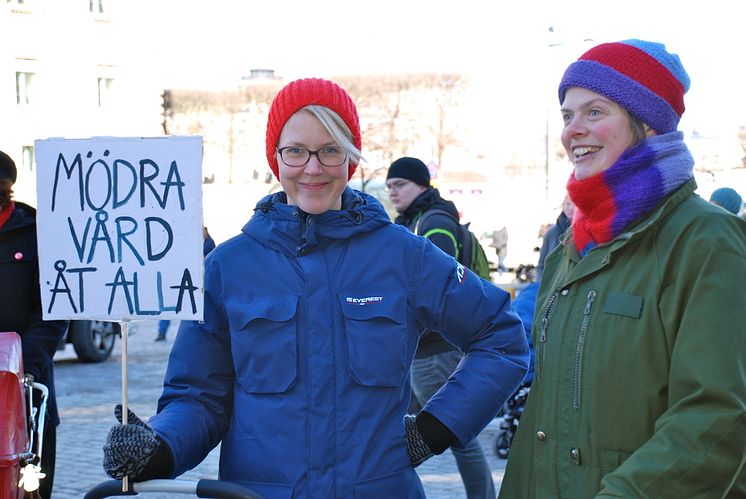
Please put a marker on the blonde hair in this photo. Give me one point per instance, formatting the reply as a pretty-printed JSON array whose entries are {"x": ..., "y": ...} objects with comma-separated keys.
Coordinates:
[{"x": 338, "y": 129}]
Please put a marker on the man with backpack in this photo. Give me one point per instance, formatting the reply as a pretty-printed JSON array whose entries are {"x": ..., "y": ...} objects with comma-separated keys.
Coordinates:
[{"x": 424, "y": 212}]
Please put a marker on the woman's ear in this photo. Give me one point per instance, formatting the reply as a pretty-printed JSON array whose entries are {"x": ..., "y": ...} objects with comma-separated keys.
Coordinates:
[{"x": 649, "y": 132}]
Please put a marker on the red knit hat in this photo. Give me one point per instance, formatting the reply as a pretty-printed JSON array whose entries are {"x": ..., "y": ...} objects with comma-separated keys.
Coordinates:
[{"x": 301, "y": 93}]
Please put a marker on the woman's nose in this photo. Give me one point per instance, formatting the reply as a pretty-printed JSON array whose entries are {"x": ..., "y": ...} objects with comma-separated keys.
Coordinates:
[
  {"x": 575, "y": 126},
  {"x": 313, "y": 167}
]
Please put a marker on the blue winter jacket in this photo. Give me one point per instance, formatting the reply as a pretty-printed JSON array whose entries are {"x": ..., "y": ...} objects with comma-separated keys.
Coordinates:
[{"x": 301, "y": 366}]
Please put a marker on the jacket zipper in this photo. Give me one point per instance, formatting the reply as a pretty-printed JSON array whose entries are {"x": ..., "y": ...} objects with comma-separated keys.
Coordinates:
[
  {"x": 579, "y": 349},
  {"x": 544, "y": 327}
]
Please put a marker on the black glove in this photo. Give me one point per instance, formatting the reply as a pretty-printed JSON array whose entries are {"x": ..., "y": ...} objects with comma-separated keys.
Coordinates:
[
  {"x": 134, "y": 450},
  {"x": 417, "y": 448}
]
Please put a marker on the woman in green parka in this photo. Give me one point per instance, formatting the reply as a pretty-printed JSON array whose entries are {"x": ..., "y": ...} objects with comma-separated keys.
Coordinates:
[{"x": 640, "y": 324}]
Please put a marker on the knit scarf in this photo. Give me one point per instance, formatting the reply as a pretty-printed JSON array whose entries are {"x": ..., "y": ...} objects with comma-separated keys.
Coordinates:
[
  {"x": 634, "y": 186},
  {"x": 6, "y": 213}
]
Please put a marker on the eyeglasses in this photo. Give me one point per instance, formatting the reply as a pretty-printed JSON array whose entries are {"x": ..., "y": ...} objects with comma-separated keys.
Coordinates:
[
  {"x": 329, "y": 156},
  {"x": 397, "y": 186}
]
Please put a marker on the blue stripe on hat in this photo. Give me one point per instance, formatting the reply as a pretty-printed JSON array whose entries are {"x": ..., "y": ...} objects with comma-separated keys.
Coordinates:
[{"x": 670, "y": 61}]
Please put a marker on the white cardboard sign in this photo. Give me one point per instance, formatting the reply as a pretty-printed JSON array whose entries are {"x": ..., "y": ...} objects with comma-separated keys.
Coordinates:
[{"x": 119, "y": 228}]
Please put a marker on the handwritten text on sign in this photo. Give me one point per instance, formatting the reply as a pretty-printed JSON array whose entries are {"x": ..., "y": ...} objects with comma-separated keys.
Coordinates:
[{"x": 120, "y": 227}]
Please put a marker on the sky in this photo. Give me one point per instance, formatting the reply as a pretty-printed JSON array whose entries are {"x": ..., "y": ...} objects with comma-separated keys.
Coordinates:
[{"x": 508, "y": 44}]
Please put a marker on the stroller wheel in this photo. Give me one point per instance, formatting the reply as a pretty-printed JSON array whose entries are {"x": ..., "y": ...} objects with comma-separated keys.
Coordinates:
[{"x": 502, "y": 445}]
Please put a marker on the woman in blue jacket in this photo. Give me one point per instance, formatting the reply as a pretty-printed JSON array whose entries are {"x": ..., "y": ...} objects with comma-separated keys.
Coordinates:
[{"x": 312, "y": 316}]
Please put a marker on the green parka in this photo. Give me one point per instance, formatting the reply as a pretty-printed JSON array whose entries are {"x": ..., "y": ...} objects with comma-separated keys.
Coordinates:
[{"x": 640, "y": 385}]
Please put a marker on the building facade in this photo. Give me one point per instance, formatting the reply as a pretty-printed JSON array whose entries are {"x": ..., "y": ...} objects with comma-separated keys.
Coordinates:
[{"x": 64, "y": 72}]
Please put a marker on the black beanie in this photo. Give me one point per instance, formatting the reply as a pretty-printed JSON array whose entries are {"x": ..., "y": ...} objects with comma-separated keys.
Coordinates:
[
  {"x": 411, "y": 169},
  {"x": 7, "y": 167}
]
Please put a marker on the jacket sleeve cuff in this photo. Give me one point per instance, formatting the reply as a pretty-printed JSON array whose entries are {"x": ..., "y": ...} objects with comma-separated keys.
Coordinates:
[
  {"x": 161, "y": 465},
  {"x": 435, "y": 434}
]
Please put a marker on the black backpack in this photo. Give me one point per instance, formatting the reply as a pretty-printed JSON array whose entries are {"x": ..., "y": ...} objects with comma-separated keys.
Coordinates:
[{"x": 469, "y": 252}]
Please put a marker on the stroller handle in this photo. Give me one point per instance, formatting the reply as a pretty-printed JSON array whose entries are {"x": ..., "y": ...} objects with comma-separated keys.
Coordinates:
[
  {"x": 36, "y": 416},
  {"x": 202, "y": 488}
]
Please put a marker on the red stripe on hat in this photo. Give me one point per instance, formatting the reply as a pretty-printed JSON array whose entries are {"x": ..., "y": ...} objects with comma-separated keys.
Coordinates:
[{"x": 641, "y": 67}]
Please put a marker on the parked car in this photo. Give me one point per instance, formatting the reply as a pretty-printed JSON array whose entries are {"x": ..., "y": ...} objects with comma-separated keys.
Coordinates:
[{"x": 92, "y": 340}]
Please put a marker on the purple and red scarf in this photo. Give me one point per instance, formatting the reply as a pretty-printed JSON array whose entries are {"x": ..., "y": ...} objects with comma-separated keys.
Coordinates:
[{"x": 634, "y": 186}]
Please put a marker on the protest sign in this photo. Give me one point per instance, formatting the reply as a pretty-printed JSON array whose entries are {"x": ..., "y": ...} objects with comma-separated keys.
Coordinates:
[{"x": 119, "y": 228}]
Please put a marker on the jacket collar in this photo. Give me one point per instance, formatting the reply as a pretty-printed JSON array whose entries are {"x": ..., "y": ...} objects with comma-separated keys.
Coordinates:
[
  {"x": 603, "y": 254},
  {"x": 425, "y": 201},
  {"x": 290, "y": 230},
  {"x": 23, "y": 215}
]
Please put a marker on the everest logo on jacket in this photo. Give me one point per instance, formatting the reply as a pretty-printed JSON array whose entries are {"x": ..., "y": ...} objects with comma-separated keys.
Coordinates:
[{"x": 367, "y": 300}]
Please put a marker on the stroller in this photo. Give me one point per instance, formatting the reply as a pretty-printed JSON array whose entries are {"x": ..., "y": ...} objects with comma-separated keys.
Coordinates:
[
  {"x": 510, "y": 413},
  {"x": 21, "y": 422}
]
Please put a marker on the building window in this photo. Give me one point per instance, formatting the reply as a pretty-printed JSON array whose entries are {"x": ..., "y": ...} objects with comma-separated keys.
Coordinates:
[
  {"x": 97, "y": 6},
  {"x": 28, "y": 158},
  {"x": 24, "y": 88},
  {"x": 20, "y": 6},
  {"x": 105, "y": 92}
]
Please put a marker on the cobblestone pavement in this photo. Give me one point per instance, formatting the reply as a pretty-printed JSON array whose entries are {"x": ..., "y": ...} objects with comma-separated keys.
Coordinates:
[{"x": 87, "y": 394}]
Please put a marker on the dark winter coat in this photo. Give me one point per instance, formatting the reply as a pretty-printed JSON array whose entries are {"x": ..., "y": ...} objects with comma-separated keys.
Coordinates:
[
  {"x": 552, "y": 239},
  {"x": 441, "y": 230},
  {"x": 20, "y": 300}
]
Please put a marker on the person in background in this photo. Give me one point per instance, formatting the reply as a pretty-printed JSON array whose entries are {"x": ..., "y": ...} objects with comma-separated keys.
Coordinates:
[
  {"x": 553, "y": 236},
  {"x": 410, "y": 193},
  {"x": 21, "y": 309},
  {"x": 640, "y": 381},
  {"x": 728, "y": 199},
  {"x": 500, "y": 244},
  {"x": 300, "y": 368},
  {"x": 207, "y": 246},
  {"x": 525, "y": 301},
  {"x": 209, "y": 243},
  {"x": 524, "y": 305}
]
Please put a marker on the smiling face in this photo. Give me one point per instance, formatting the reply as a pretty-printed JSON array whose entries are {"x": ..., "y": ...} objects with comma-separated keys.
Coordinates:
[
  {"x": 596, "y": 131},
  {"x": 314, "y": 188}
]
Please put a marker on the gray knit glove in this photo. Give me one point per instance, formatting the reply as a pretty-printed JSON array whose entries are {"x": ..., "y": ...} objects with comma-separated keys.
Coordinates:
[
  {"x": 130, "y": 448},
  {"x": 417, "y": 449}
]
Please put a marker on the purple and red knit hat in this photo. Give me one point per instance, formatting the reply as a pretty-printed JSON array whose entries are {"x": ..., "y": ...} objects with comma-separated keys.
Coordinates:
[
  {"x": 642, "y": 77},
  {"x": 301, "y": 93}
]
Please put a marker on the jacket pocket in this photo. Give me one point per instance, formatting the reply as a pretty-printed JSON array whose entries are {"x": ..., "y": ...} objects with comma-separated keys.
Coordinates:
[
  {"x": 264, "y": 340},
  {"x": 375, "y": 332},
  {"x": 624, "y": 305}
]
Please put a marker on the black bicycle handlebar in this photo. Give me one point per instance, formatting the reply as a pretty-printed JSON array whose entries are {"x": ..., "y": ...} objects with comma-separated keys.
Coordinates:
[{"x": 202, "y": 488}]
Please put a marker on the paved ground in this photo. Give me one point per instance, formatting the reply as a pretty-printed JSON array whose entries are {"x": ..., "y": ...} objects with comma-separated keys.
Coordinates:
[{"x": 87, "y": 394}]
